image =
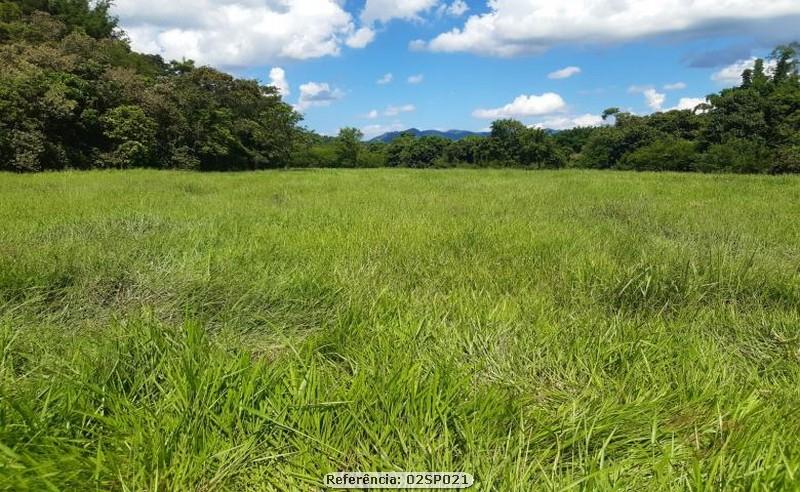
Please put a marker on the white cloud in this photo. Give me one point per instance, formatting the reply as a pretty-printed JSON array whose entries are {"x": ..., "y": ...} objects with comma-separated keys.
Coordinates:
[
  {"x": 370, "y": 131},
  {"x": 416, "y": 79},
  {"x": 386, "y": 10},
  {"x": 524, "y": 106},
  {"x": 391, "y": 111},
  {"x": 395, "y": 110},
  {"x": 588, "y": 120},
  {"x": 317, "y": 94},
  {"x": 732, "y": 74},
  {"x": 239, "y": 32},
  {"x": 687, "y": 103},
  {"x": 516, "y": 27},
  {"x": 385, "y": 79},
  {"x": 655, "y": 100},
  {"x": 277, "y": 79},
  {"x": 360, "y": 38},
  {"x": 417, "y": 45},
  {"x": 457, "y": 8},
  {"x": 567, "y": 122},
  {"x": 564, "y": 73},
  {"x": 677, "y": 86}
]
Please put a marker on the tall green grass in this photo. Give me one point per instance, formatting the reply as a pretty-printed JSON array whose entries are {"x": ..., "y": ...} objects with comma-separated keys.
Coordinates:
[{"x": 548, "y": 330}]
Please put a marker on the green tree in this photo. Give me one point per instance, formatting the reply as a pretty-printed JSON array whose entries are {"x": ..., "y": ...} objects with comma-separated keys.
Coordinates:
[
  {"x": 736, "y": 155},
  {"x": 349, "y": 147},
  {"x": 537, "y": 149},
  {"x": 667, "y": 154},
  {"x": 133, "y": 134},
  {"x": 469, "y": 150},
  {"x": 507, "y": 138}
]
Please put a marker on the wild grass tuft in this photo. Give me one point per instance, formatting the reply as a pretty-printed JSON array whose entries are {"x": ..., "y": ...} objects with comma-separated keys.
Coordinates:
[{"x": 556, "y": 331}]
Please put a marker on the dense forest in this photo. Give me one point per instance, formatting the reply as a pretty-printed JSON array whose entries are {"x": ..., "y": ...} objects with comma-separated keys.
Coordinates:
[{"x": 74, "y": 95}]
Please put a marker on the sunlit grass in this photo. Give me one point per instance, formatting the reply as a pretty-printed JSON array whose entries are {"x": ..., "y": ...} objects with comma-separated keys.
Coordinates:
[{"x": 540, "y": 330}]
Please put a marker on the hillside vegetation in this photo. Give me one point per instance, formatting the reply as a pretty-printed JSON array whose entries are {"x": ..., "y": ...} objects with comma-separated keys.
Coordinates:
[
  {"x": 74, "y": 95},
  {"x": 542, "y": 331}
]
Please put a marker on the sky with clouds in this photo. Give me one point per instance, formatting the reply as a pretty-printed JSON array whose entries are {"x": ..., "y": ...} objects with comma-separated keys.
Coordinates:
[{"x": 383, "y": 65}]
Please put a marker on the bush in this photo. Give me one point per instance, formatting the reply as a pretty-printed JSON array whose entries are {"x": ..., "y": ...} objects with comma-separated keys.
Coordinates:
[
  {"x": 134, "y": 136},
  {"x": 316, "y": 156},
  {"x": 184, "y": 158},
  {"x": 539, "y": 150},
  {"x": 466, "y": 151},
  {"x": 606, "y": 147},
  {"x": 736, "y": 155},
  {"x": 787, "y": 160},
  {"x": 407, "y": 151},
  {"x": 372, "y": 156},
  {"x": 662, "y": 155},
  {"x": 29, "y": 148}
]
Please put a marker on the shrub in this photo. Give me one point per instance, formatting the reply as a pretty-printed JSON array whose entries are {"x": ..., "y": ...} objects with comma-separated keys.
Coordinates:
[
  {"x": 662, "y": 155},
  {"x": 372, "y": 157},
  {"x": 29, "y": 148},
  {"x": 134, "y": 136},
  {"x": 787, "y": 160},
  {"x": 736, "y": 155},
  {"x": 184, "y": 158}
]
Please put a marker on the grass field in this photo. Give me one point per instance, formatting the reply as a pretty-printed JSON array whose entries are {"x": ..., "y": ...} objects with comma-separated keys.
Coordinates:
[{"x": 540, "y": 330}]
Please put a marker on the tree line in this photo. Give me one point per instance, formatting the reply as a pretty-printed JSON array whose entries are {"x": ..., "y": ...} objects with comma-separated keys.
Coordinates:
[{"x": 74, "y": 95}]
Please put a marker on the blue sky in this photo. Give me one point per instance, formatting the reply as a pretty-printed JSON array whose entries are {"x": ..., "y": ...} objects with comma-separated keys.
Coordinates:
[{"x": 461, "y": 63}]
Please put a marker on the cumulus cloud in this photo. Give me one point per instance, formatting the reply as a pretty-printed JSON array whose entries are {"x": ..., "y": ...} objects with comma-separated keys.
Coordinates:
[
  {"x": 386, "y": 79},
  {"x": 688, "y": 103},
  {"x": 677, "y": 86},
  {"x": 732, "y": 74},
  {"x": 525, "y": 106},
  {"x": 517, "y": 27},
  {"x": 277, "y": 79},
  {"x": 655, "y": 100},
  {"x": 386, "y": 10},
  {"x": 317, "y": 94},
  {"x": 457, "y": 8},
  {"x": 564, "y": 73},
  {"x": 567, "y": 122},
  {"x": 372, "y": 114},
  {"x": 240, "y": 32},
  {"x": 360, "y": 38},
  {"x": 416, "y": 79},
  {"x": 395, "y": 110}
]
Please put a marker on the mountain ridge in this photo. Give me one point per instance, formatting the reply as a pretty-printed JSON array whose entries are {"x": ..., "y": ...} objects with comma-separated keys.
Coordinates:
[{"x": 454, "y": 135}]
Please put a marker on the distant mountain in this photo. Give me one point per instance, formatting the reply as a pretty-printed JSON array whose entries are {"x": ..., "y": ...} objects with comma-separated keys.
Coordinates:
[{"x": 449, "y": 134}]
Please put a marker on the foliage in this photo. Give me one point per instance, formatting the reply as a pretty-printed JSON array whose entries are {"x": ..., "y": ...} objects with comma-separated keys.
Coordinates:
[
  {"x": 348, "y": 147},
  {"x": 73, "y": 94},
  {"x": 747, "y": 129},
  {"x": 739, "y": 155},
  {"x": 133, "y": 134},
  {"x": 471, "y": 150},
  {"x": 574, "y": 139},
  {"x": 668, "y": 154}
]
